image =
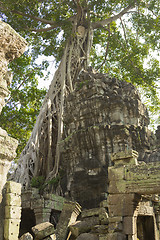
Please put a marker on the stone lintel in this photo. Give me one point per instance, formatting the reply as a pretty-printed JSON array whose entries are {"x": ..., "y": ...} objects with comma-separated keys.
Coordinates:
[
  {"x": 32, "y": 199},
  {"x": 125, "y": 157},
  {"x": 141, "y": 179}
]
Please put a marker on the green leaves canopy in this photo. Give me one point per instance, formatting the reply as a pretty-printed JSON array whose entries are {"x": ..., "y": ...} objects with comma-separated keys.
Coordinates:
[{"x": 123, "y": 46}]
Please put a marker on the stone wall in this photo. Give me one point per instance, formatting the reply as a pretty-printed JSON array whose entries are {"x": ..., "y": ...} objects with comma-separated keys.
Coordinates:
[
  {"x": 131, "y": 202},
  {"x": 11, "y": 46},
  {"x": 102, "y": 116},
  {"x": 12, "y": 210}
]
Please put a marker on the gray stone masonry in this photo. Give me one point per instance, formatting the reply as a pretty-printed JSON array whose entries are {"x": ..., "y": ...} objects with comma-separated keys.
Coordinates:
[
  {"x": 129, "y": 185},
  {"x": 68, "y": 216}
]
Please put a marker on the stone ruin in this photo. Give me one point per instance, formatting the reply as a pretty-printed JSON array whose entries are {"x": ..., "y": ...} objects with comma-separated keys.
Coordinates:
[
  {"x": 11, "y": 46},
  {"x": 109, "y": 178}
]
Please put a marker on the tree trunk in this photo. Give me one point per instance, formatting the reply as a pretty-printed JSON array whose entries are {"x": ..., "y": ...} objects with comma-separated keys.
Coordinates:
[{"x": 42, "y": 152}]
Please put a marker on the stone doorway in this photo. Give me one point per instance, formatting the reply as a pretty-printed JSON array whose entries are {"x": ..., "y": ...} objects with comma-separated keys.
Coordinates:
[
  {"x": 27, "y": 221},
  {"x": 145, "y": 228}
]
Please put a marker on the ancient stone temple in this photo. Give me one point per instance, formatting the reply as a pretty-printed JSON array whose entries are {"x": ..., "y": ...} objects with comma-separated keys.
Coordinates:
[
  {"x": 102, "y": 116},
  {"x": 108, "y": 184},
  {"x": 108, "y": 178}
]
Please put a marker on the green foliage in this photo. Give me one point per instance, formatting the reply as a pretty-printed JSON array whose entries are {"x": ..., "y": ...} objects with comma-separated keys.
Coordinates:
[
  {"x": 123, "y": 49},
  {"x": 54, "y": 182},
  {"x": 38, "y": 182},
  {"x": 23, "y": 104}
]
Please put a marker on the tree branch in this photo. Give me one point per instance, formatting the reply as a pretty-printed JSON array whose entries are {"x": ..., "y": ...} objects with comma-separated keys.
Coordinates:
[
  {"x": 43, "y": 29},
  {"x": 124, "y": 31},
  {"x": 104, "y": 22},
  {"x": 35, "y": 18},
  {"x": 28, "y": 15}
]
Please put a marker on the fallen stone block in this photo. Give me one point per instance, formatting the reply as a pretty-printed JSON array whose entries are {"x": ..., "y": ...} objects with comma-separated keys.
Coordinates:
[
  {"x": 87, "y": 236},
  {"x": 83, "y": 226},
  {"x": 100, "y": 229},
  {"x": 26, "y": 236},
  {"x": 103, "y": 216},
  {"x": 90, "y": 212},
  {"x": 43, "y": 230},
  {"x": 51, "y": 237},
  {"x": 69, "y": 214}
]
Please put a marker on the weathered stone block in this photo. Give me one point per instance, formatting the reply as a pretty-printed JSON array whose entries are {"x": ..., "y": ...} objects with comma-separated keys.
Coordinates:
[
  {"x": 115, "y": 174},
  {"x": 103, "y": 216},
  {"x": 12, "y": 212},
  {"x": 122, "y": 204},
  {"x": 104, "y": 204},
  {"x": 37, "y": 203},
  {"x": 116, "y": 210},
  {"x": 115, "y": 236},
  {"x": 83, "y": 226},
  {"x": 26, "y": 236},
  {"x": 115, "y": 227},
  {"x": 57, "y": 198},
  {"x": 125, "y": 157},
  {"x": 90, "y": 213},
  {"x": 26, "y": 204},
  {"x": 4, "y": 168},
  {"x": 100, "y": 229},
  {"x": 129, "y": 225},
  {"x": 69, "y": 214},
  {"x": 51, "y": 237},
  {"x": 53, "y": 205},
  {"x": 11, "y": 229},
  {"x": 43, "y": 230},
  {"x": 42, "y": 215},
  {"x": 58, "y": 206},
  {"x": 117, "y": 187},
  {"x": 115, "y": 219},
  {"x": 13, "y": 199},
  {"x": 115, "y": 198},
  {"x": 87, "y": 236},
  {"x": 103, "y": 236},
  {"x": 13, "y": 187}
]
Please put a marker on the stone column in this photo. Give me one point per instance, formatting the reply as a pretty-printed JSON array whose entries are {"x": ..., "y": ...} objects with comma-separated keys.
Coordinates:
[
  {"x": 121, "y": 205},
  {"x": 12, "y": 211},
  {"x": 11, "y": 46}
]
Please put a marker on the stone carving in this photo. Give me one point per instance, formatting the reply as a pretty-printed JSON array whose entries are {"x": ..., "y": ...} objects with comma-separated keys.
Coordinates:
[
  {"x": 128, "y": 202},
  {"x": 102, "y": 116},
  {"x": 109, "y": 120}
]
